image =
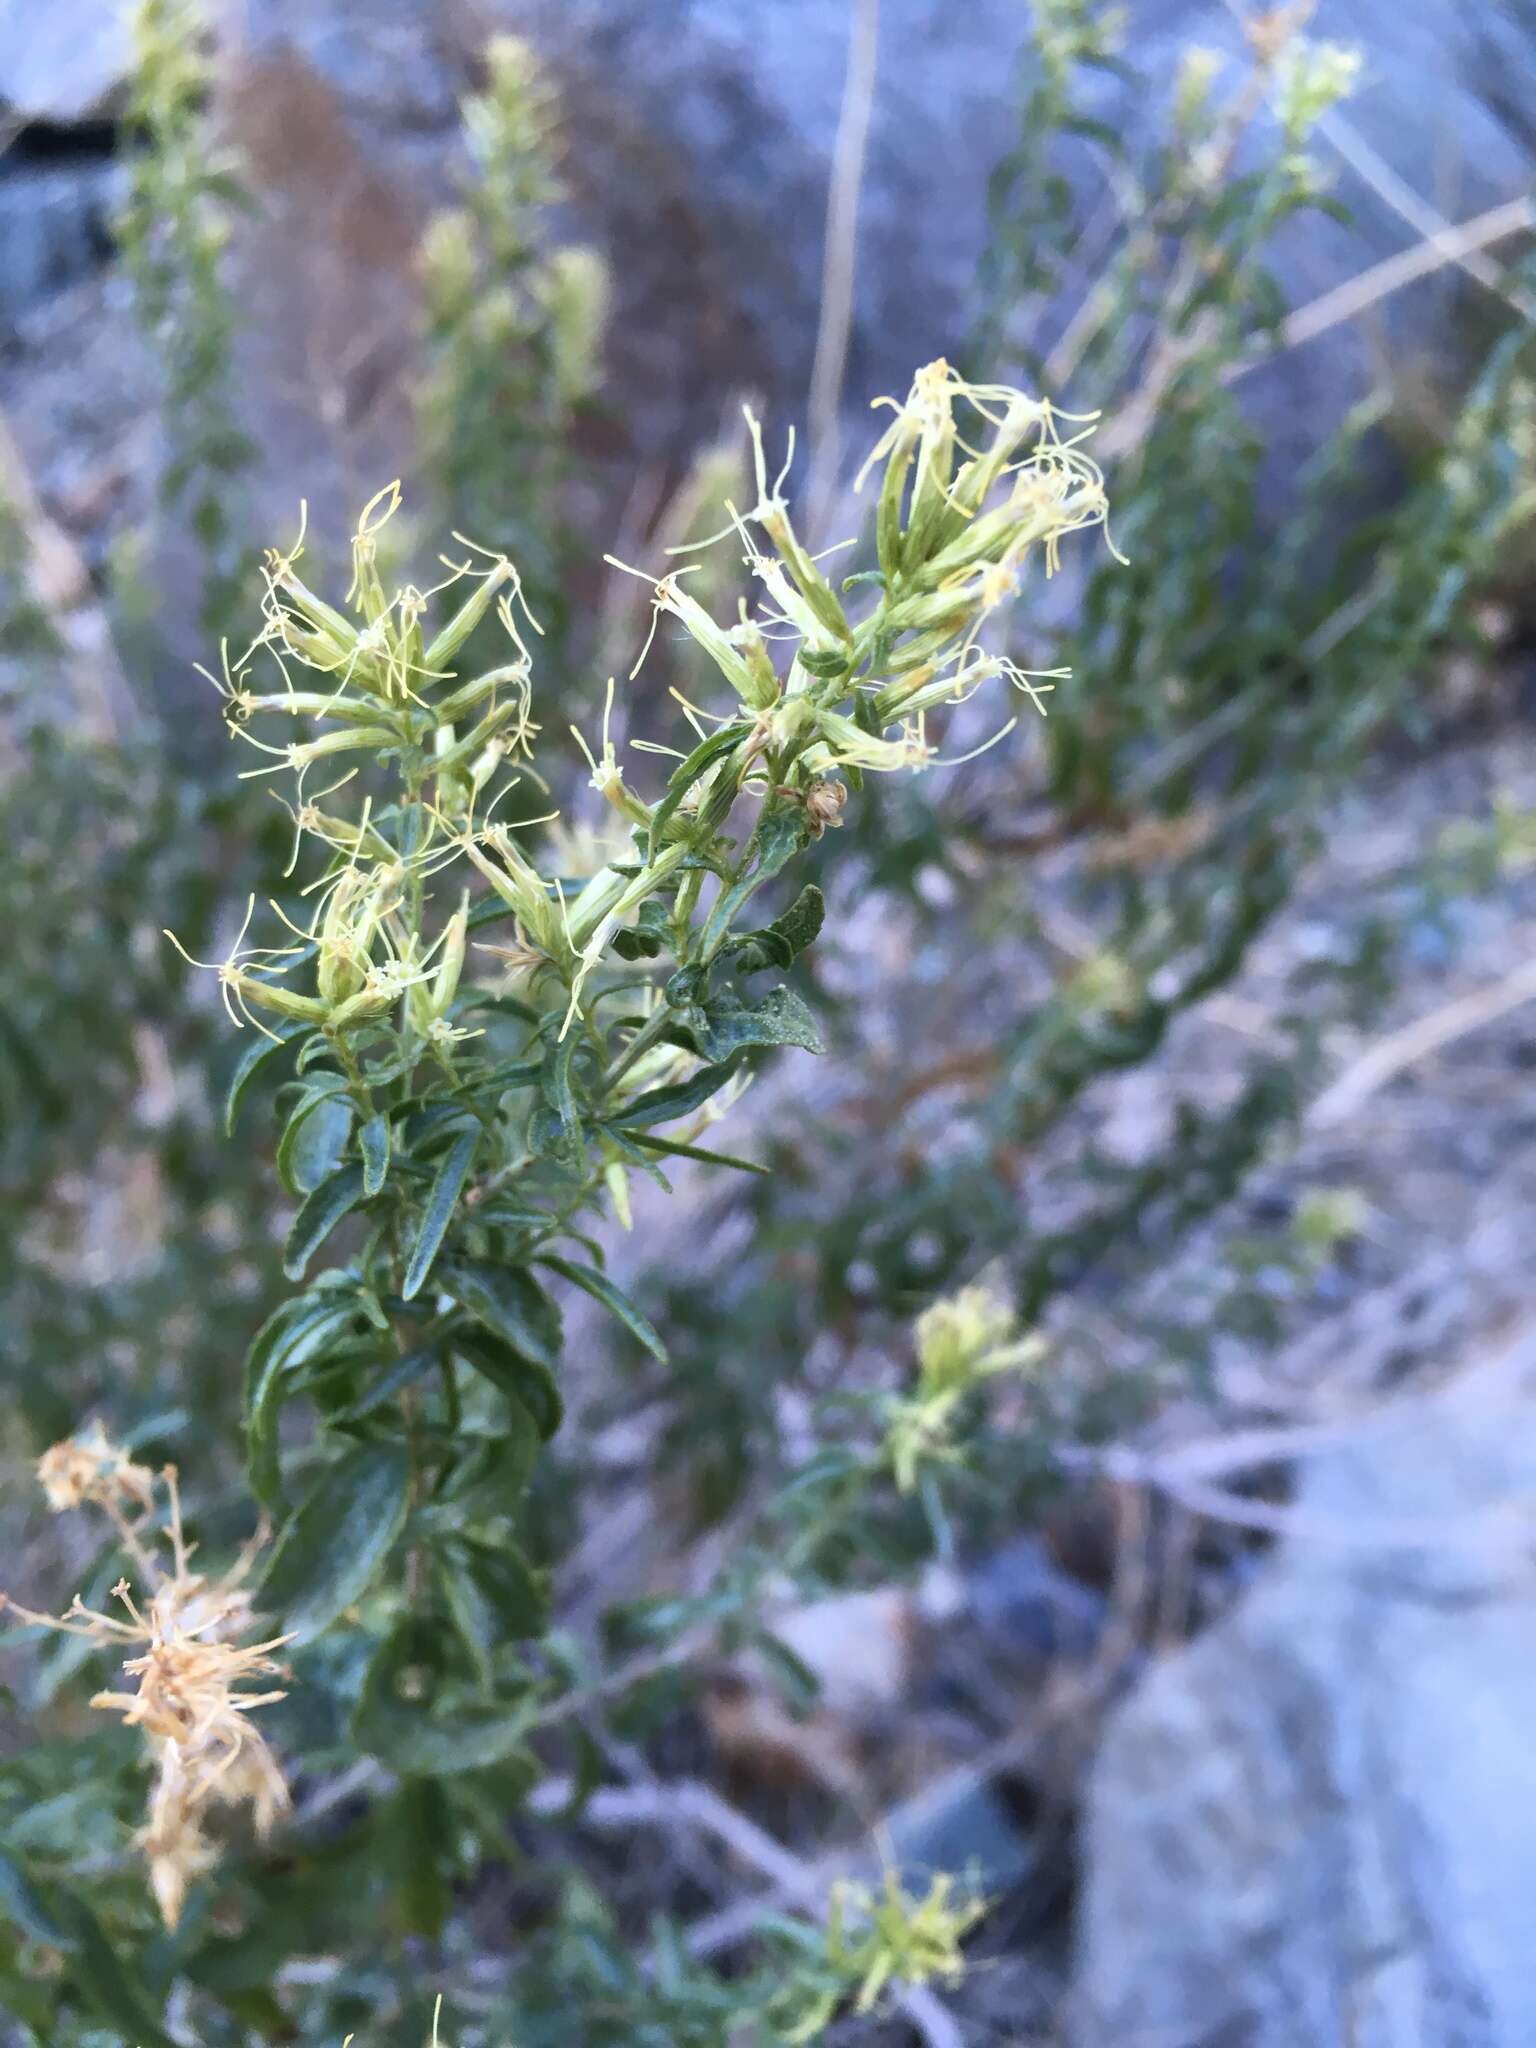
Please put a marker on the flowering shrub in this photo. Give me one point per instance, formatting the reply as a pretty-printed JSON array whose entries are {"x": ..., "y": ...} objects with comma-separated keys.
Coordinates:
[
  {"x": 485, "y": 1057},
  {"x": 382, "y": 1740}
]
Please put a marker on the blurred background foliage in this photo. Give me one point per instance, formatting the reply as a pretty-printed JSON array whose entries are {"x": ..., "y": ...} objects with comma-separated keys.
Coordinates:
[{"x": 1038, "y": 924}]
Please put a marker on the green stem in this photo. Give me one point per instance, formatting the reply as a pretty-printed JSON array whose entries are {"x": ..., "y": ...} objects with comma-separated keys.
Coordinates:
[{"x": 647, "y": 1036}]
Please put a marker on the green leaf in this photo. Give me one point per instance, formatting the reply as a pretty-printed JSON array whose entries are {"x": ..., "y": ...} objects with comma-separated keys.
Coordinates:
[
  {"x": 322, "y": 1210},
  {"x": 780, "y": 835},
  {"x": 800, "y": 926},
  {"x": 384, "y": 1386},
  {"x": 24, "y": 1905},
  {"x": 510, "y": 1074},
  {"x": 508, "y": 1300},
  {"x": 673, "y": 1149},
  {"x": 793, "y": 1673},
  {"x": 661, "y": 1105},
  {"x": 726, "y": 1025},
  {"x": 507, "y": 1213},
  {"x": 614, "y": 1299},
  {"x": 297, "y": 1333},
  {"x": 487, "y": 1477},
  {"x": 686, "y": 774},
  {"x": 647, "y": 936},
  {"x": 494, "y": 1595},
  {"x": 438, "y": 1214},
  {"x": 825, "y": 662},
  {"x": 315, "y": 1135},
  {"x": 102, "y": 1977},
  {"x": 559, "y": 1088},
  {"x": 787, "y": 936},
  {"x": 412, "y": 1737},
  {"x": 253, "y": 1061},
  {"x": 426, "y": 1131},
  {"x": 418, "y": 1844},
  {"x": 531, "y": 1389},
  {"x": 373, "y": 1143},
  {"x": 327, "y": 1556}
]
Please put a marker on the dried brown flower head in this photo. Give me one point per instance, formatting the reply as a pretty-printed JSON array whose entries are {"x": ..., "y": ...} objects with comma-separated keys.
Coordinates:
[
  {"x": 824, "y": 801},
  {"x": 90, "y": 1468},
  {"x": 205, "y": 1751}
]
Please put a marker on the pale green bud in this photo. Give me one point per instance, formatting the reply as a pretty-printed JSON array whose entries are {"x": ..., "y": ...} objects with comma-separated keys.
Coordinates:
[
  {"x": 450, "y": 964},
  {"x": 441, "y": 650},
  {"x": 269, "y": 995}
]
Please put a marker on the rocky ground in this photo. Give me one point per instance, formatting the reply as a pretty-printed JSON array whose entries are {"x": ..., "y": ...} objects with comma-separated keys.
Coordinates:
[{"x": 964, "y": 1720}]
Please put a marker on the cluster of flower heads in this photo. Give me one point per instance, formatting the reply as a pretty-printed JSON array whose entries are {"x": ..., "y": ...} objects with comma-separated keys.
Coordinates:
[
  {"x": 187, "y": 1666},
  {"x": 961, "y": 1342},
  {"x": 875, "y": 1941},
  {"x": 977, "y": 478}
]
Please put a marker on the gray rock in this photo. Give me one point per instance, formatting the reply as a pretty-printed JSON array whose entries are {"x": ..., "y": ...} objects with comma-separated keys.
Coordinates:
[
  {"x": 55, "y": 228},
  {"x": 1027, "y": 1606},
  {"x": 703, "y": 132},
  {"x": 62, "y": 60},
  {"x": 701, "y": 136},
  {"x": 961, "y": 1824},
  {"x": 744, "y": 95},
  {"x": 1318, "y": 1824}
]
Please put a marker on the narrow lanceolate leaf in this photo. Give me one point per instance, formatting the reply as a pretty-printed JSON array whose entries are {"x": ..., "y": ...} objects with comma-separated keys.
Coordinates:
[
  {"x": 778, "y": 944},
  {"x": 508, "y": 1300},
  {"x": 373, "y": 1143},
  {"x": 530, "y": 1390},
  {"x": 494, "y": 1595},
  {"x": 559, "y": 1083},
  {"x": 613, "y": 1298},
  {"x": 299, "y": 1332},
  {"x": 257, "y": 1056},
  {"x": 327, "y": 1556},
  {"x": 101, "y": 1974},
  {"x": 675, "y": 1149},
  {"x": 661, "y": 1105},
  {"x": 24, "y": 1906},
  {"x": 337, "y": 1196},
  {"x": 315, "y": 1135},
  {"x": 388, "y": 1382},
  {"x": 438, "y": 1214},
  {"x": 779, "y": 836}
]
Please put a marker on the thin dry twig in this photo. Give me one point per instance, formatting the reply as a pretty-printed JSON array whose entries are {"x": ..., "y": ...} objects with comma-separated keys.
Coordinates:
[
  {"x": 1434, "y": 252},
  {"x": 668, "y": 1801},
  {"x": 1410, "y": 206},
  {"x": 1423, "y": 218},
  {"x": 1399, "y": 1050},
  {"x": 1187, "y": 1473}
]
